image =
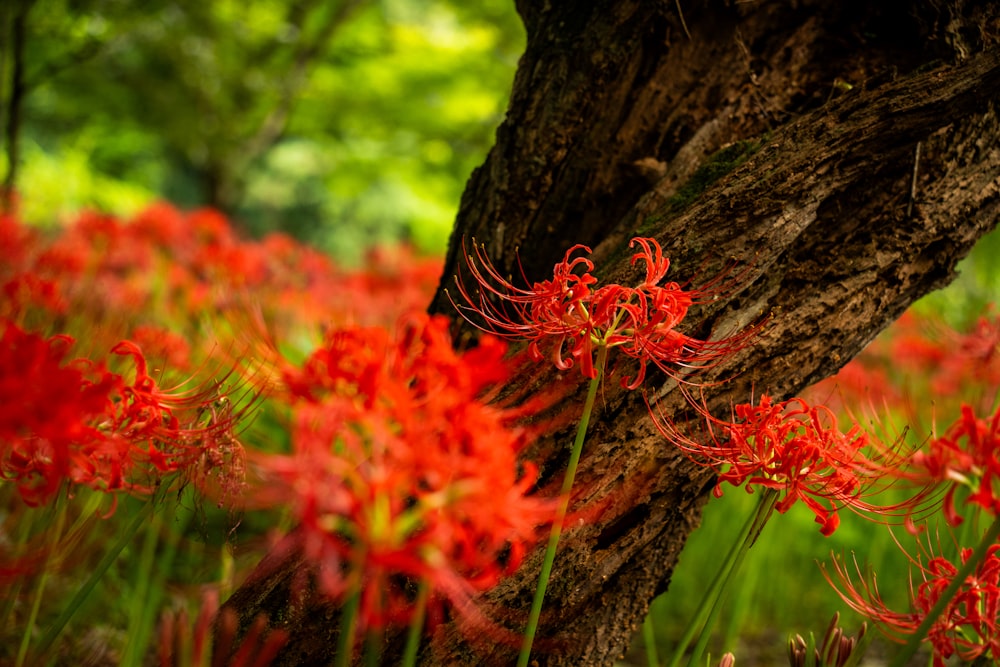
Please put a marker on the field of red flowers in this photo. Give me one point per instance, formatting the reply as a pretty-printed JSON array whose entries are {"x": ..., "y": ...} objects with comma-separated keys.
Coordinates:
[
  {"x": 176, "y": 401},
  {"x": 147, "y": 367}
]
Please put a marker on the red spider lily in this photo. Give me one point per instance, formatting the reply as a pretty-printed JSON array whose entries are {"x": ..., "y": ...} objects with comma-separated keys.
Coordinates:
[
  {"x": 570, "y": 316},
  {"x": 48, "y": 409},
  {"x": 970, "y": 624},
  {"x": 857, "y": 382},
  {"x": 25, "y": 290},
  {"x": 917, "y": 356},
  {"x": 967, "y": 455},
  {"x": 794, "y": 448},
  {"x": 107, "y": 279},
  {"x": 954, "y": 360},
  {"x": 179, "y": 430},
  {"x": 158, "y": 343},
  {"x": 17, "y": 240},
  {"x": 174, "y": 266},
  {"x": 20, "y": 287},
  {"x": 75, "y": 421},
  {"x": 400, "y": 472}
]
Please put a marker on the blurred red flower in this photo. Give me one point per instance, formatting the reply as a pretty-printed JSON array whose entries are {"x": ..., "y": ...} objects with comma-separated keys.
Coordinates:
[
  {"x": 75, "y": 421},
  {"x": 401, "y": 473},
  {"x": 966, "y": 455}
]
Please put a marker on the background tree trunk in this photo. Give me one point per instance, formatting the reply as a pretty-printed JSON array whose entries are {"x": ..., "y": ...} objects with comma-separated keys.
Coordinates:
[
  {"x": 17, "y": 14},
  {"x": 776, "y": 138}
]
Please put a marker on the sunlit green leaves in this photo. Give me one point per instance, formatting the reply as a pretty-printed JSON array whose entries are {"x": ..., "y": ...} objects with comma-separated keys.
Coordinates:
[{"x": 344, "y": 122}]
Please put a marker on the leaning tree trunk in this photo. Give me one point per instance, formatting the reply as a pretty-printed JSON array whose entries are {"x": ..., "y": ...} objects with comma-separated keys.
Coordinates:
[{"x": 842, "y": 155}]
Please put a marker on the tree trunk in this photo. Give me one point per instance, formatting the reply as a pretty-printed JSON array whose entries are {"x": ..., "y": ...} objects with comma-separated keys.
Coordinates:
[
  {"x": 779, "y": 138},
  {"x": 12, "y": 129}
]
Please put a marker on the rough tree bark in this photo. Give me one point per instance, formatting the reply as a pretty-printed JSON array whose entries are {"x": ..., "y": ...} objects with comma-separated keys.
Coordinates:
[{"x": 779, "y": 136}]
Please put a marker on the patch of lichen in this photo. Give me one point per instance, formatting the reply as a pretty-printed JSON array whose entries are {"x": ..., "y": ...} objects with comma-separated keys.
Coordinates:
[{"x": 718, "y": 165}]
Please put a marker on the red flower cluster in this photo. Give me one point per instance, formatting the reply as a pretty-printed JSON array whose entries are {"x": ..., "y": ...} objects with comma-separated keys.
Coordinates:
[
  {"x": 919, "y": 356},
  {"x": 20, "y": 286},
  {"x": 569, "y": 316},
  {"x": 167, "y": 269},
  {"x": 76, "y": 421},
  {"x": 49, "y": 411},
  {"x": 970, "y": 624},
  {"x": 967, "y": 455},
  {"x": 959, "y": 359},
  {"x": 794, "y": 448},
  {"x": 400, "y": 472}
]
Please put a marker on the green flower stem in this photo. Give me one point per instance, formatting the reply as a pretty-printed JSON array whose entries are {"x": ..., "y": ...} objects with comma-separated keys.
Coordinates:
[
  {"x": 562, "y": 510},
  {"x": 649, "y": 640},
  {"x": 977, "y": 557},
  {"x": 157, "y": 558},
  {"x": 348, "y": 628},
  {"x": 698, "y": 620},
  {"x": 711, "y": 602},
  {"x": 95, "y": 576},
  {"x": 373, "y": 647},
  {"x": 22, "y": 650},
  {"x": 768, "y": 500},
  {"x": 23, "y": 529},
  {"x": 24, "y": 532},
  {"x": 416, "y": 626},
  {"x": 143, "y": 580}
]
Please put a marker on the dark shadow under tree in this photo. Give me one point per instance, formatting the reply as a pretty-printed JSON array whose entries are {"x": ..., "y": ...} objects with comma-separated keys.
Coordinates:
[{"x": 782, "y": 136}]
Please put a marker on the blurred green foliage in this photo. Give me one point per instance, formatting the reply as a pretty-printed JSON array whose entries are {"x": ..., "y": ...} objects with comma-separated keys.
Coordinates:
[
  {"x": 974, "y": 291},
  {"x": 343, "y": 122}
]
